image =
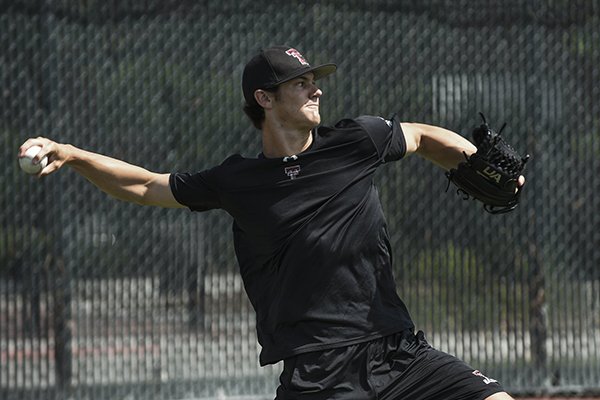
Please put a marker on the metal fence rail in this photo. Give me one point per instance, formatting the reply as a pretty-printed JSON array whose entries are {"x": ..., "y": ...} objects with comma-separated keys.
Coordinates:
[{"x": 103, "y": 299}]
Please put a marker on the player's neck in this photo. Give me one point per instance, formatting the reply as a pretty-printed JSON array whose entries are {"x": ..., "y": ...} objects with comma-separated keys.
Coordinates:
[{"x": 285, "y": 142}]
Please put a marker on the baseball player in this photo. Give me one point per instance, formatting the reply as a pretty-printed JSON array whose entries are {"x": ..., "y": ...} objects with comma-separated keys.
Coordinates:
[{"x": 310, "y": 237}]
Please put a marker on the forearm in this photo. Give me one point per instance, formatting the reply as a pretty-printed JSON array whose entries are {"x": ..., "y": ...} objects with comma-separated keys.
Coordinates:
[
  {"x": 117, "y": 178},
  {"x": 441, "y": 146}
]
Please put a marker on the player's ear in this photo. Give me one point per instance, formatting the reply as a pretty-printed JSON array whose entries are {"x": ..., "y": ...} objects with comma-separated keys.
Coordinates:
[{"x": 263, "y": 98}]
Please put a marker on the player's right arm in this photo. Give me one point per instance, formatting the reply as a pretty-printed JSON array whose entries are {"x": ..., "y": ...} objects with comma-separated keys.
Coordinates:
[{"x": 117, "y": 178}]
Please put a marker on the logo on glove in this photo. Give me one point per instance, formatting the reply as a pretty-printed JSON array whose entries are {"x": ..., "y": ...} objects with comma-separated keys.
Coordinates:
[{"x": 490, "y": 173}]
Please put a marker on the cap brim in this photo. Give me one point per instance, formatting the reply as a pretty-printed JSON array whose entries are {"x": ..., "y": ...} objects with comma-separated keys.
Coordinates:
[
  {"x": 319, "y": 72},
  {"x": 323, "y": 70}
]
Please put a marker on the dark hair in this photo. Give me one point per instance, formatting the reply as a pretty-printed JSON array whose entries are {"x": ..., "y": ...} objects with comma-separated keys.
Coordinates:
[{"x": 256, "y": 113}]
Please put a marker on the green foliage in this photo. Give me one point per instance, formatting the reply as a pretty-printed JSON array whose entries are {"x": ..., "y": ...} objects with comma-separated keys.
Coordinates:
[
  {"x": 21, "y": 246},
  {"x": 449, "y": 287}
]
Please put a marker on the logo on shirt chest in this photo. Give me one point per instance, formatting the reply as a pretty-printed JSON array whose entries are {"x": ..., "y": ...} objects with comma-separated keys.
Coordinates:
[{"x": 292, "y": 171}]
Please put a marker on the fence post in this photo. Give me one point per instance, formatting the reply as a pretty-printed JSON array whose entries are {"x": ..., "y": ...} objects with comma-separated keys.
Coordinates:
[
  {"x": 62, "y": 325},
  {"x": 537, "y": 313},
  {"x": 62, "y": 322}
]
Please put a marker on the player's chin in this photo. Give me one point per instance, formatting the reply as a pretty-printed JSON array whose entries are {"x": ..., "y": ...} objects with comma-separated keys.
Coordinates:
[{"x": 314, "y": 117}]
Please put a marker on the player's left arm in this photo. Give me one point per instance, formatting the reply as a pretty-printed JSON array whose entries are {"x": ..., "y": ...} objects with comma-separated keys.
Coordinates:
[{"x": 443, "y": 147}]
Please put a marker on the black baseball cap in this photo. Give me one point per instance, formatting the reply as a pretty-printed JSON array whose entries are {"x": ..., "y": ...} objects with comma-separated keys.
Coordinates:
[{"x": 275, "y": 65}]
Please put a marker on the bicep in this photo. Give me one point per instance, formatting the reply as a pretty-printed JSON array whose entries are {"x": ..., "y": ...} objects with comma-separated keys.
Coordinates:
[
  {"x": 412, "y": 136},
  {"x": 440, "y": 145},
  {"x": 159, "y": 193}
]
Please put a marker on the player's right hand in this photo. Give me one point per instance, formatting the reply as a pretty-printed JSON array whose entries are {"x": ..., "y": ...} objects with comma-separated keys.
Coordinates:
[{"x": 57, "y": 153}]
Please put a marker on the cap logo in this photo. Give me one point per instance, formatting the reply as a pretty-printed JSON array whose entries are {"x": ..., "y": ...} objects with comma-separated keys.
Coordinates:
[{"x": 296, "y": 54}]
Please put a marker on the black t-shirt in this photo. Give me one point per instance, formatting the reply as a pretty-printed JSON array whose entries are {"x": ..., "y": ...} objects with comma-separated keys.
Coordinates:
[{"x": 310, "y": 237}]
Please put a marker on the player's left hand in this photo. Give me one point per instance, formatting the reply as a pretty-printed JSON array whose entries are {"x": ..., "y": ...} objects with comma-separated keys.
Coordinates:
[
  {"x": 493, "y": 174},
  {"x": 520, "y": 183}
]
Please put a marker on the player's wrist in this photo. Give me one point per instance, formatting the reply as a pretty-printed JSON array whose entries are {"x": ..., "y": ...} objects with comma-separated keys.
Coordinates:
[{"x": 70, "y": 154}]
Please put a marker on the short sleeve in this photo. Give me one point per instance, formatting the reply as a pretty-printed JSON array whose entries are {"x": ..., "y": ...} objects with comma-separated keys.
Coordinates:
[
  {"x": 387, "y": 136},
  {"x": 195, "y": 190}
]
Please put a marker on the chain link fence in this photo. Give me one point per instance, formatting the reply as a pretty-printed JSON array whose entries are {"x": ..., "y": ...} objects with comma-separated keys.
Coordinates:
[{"x": 102, "y": 299}]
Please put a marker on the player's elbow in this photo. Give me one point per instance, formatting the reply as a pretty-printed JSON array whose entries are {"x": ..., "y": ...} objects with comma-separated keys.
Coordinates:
[
  {"x": 157, "y": 192},
  {"x": 129, "y": 194},
  {"x": 141, "y": 192}
]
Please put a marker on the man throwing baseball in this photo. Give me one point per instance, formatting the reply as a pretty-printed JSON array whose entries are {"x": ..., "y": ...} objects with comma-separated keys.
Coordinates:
[{"x": 310, "y": 237}]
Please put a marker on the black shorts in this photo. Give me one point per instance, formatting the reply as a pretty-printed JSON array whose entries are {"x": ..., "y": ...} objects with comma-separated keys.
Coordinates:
[{"x": 401, "y": 366}]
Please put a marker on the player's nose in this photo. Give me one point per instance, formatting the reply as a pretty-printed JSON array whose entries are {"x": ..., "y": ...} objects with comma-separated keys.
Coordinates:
[{"x": 317, "y": 92}]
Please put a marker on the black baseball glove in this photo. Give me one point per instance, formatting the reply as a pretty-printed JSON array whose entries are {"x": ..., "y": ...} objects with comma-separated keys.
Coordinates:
[{"x": 490, "y": 175}]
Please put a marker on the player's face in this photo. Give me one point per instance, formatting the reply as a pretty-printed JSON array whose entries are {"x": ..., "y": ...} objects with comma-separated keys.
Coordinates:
[{"x": 297, "y": 103}]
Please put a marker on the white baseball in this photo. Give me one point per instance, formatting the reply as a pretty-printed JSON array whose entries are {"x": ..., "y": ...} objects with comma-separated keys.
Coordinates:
[{"x": 27, "y": 164}]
